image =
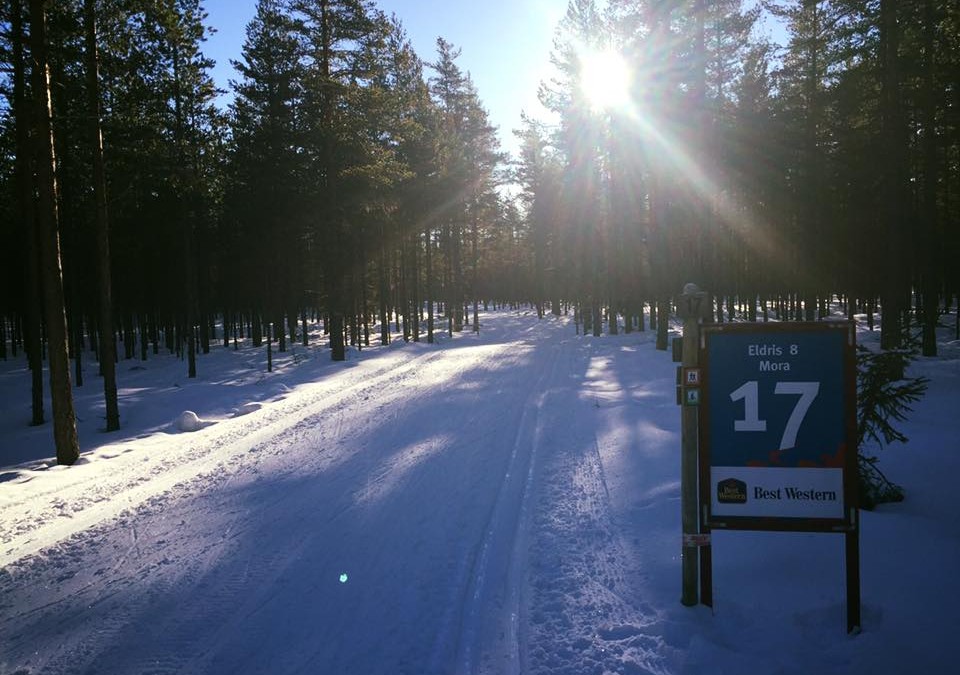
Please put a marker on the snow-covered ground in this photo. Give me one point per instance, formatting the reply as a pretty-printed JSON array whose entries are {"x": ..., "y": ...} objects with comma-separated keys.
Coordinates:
[{"x": 506, "y": 502}]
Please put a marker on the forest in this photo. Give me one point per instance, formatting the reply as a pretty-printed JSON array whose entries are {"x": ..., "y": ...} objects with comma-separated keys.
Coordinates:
[{"x": 351, "y": 181}]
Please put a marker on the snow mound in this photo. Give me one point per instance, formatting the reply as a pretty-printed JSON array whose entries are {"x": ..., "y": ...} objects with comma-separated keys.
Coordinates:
[
  {"x": 247, "y": 408},
  {"x": 188, "y": 421}
]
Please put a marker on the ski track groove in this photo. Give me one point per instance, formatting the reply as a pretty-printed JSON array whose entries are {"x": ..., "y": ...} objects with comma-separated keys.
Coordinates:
[{"x": 495, "y": 648}]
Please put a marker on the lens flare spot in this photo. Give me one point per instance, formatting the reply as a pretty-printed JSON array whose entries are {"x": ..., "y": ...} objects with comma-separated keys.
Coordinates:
[{"x": 605, "y": 79}]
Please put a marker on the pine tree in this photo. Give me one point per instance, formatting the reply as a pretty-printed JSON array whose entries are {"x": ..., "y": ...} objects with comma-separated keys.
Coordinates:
[
  {"x": 580, "y": 142},
  {"x": 893, "y": 176},
  {"x": 415, "y": 142},
  {"x": 538, "y": 172},
  {"x": 28, "y": 283},
  {"x": 340, "y": 37},
  {"x": 191, "y": 94},
  {"x": 107, "y": 348},
  {"x": 64, "y": 418},
  {"x": 883, "y": 399},
  {"x": 266, "y": 225}
]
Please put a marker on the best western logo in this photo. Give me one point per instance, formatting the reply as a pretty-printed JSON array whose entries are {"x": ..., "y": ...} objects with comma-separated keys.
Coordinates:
[
  {"x": 732, "y": 491},
  {"x": 795, "y": 494}
]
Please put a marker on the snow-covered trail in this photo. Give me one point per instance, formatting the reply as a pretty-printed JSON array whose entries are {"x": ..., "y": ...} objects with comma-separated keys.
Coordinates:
[
  {"x": 498, "y": 503},
  {"x": 382, "y": 520}
]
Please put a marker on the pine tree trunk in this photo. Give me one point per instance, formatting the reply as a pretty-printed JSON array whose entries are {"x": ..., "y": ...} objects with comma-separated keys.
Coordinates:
[
  {"x": 338, "y": 317},
  {"x": 107, "y": 347},
  {"x": 663, "y": 313},
  {"x": 32, "y": 327},
  {"x": 429, "y": 287},
  {"x": 892, "y": 182},
  {"x": 930, "y": 274},
  {"x": 64, "y": 418},
  {"x": 813, "y": 201},
  {"x": 413, "y": 291},
  {"x": 475, "y": 254},
  {"x": 338, "y": 348},
  {"x": 186, "y": 215},
  {"x": 405, "y": 304},
  {"x": 384, "y": 292}
]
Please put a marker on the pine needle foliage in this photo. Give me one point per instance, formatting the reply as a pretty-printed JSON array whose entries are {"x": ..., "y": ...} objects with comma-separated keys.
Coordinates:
[{"x": 883, "y": 401}]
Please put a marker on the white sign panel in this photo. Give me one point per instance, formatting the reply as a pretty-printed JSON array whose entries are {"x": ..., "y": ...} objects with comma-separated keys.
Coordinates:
[{"x": 764, "y": 492}]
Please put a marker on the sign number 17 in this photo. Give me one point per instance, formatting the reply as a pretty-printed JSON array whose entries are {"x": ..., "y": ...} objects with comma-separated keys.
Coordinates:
[{"x": 749, "y": 394}]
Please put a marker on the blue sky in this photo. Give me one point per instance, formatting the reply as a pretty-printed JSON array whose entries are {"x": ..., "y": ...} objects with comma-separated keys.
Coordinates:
[{"x": 505, "y": 45}]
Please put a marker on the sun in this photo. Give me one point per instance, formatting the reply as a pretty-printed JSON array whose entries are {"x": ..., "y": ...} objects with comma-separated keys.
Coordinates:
[{"x": 605, "y": 79}]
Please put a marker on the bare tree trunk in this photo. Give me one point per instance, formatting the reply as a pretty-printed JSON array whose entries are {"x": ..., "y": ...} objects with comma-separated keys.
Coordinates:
[
  {"x": 456, "y": 277},
  {"x": 64, "y": 418},
  {"x": 475, "y": 254},
  {"x": 429, "y": 287},
  {"x": 893, "y": 182},
  {"x": 384, "y": 291},
  {"x": 108, "y": 357},
  {"x": 931, "y": 242},
  {"x": 186, "y": 215},
  {"x": 413, "y": 288},
  {"x": 33, "y": 328}
]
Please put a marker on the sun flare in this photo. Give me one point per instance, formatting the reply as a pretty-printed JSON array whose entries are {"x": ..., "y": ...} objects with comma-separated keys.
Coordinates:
[{"x": 605, "y": 79}]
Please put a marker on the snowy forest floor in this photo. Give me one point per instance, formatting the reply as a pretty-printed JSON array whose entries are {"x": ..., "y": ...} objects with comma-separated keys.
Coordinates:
[{"x": 506, "y": 502}]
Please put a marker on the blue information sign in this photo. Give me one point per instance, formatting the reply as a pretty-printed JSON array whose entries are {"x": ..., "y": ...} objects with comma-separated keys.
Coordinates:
[{"x": 778, "y": 423}]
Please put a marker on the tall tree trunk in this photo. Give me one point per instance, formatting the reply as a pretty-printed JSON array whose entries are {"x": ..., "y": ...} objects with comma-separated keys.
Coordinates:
[
  {"x": 384, "y": 291},
  {"x": 64, "y": 418},
  {"x": 700, "y": 199},
  {"x": 338, "y": 347},
  {"x": 428, "y": 264},
  {"x": 413, "y": 288},
  {"x": 475, "y": 254},
  {"x": 810, "y": 238},
  {"x": 404, "y": 288},
  {"x": 455, "y": 301},
  {"x": 931, "y": 241},
  {"x": 892, "y": 179},
  {"x": 336, "y": 279},
  {"x": 186, "y": 214},
  {"x": 449, "y": 294},
  {"x": 32, "y": 328},
  {"x": 107, "y": 348}
]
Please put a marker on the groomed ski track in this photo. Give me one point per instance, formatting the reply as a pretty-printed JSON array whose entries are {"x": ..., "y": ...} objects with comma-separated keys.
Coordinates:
[{"x": 425, "y": 509}]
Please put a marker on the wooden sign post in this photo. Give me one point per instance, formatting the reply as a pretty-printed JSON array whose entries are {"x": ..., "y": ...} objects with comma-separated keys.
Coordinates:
[{"x": 693, "y": 305}]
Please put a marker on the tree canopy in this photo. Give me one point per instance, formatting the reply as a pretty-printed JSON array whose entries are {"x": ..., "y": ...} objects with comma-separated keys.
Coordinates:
[{"x": 344, "y": 178}]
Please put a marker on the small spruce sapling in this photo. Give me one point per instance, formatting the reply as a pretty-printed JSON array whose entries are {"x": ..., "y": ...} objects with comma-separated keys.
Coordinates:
[{"x": 883, "y": 399}]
